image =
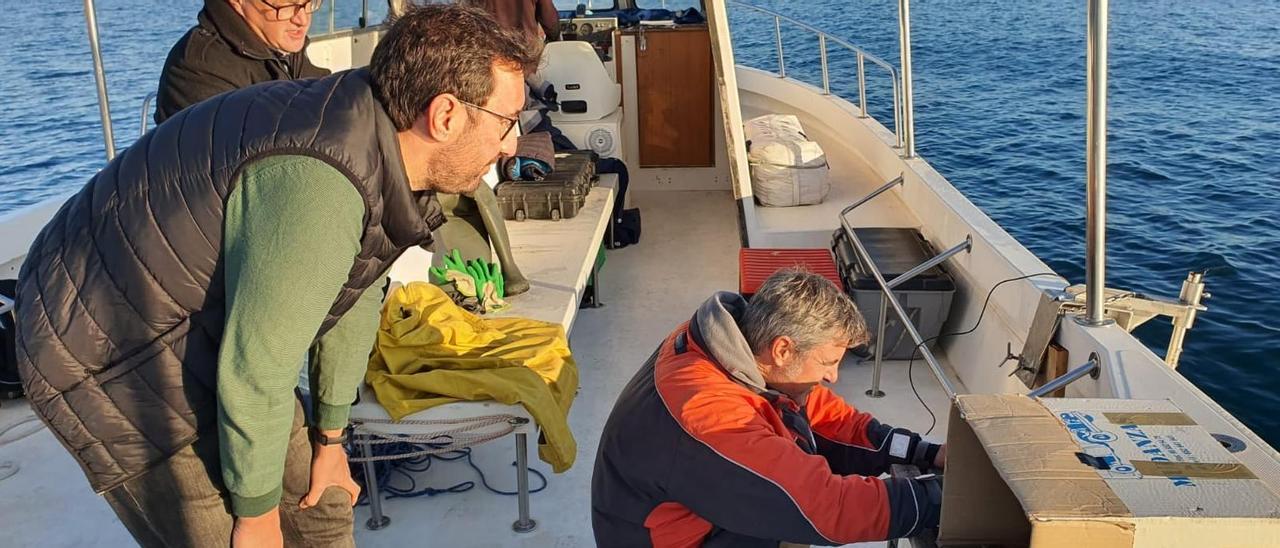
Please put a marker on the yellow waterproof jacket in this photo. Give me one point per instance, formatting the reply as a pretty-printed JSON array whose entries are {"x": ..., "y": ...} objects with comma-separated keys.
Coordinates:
[{"x": 431, "y": 352}]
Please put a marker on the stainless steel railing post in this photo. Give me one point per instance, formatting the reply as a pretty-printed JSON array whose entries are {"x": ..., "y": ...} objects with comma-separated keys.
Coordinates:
[
  {"x": 904, "y": 48},
  {"x": 99, "y": 74},
  {"x": 904, "y": 24},
  {"x": 887, "y": 293},
  {"x": 146, "y": 109},
  {"x": 936, "y": 260},
  {"x": 875, "y": 391},
  {"x": 897, "y": 111},
  {"x": 777, "y": 36},
  {"x": 822, "y": 54},
  {"x": 1096, "y": 165},
  {"x": 862, "y": 84},
  {"x": 1091, "y": 368}
]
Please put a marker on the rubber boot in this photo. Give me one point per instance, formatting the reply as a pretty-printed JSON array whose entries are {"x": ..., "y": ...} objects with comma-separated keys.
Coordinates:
[
  {"x": 496, "y": 227},
  {"x": 472, "y": 227}
]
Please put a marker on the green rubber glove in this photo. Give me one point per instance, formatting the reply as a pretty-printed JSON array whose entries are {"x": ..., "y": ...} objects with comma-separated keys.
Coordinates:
[
  {"x": 478, "y": 273},
  {"x": 500, "y": 283},
  {"x": 452, "y": 261}
]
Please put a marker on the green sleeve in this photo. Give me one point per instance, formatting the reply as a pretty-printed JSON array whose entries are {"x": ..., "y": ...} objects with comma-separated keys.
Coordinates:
[
  {"x": 291, "y": 234},
  {"x": 341, "y": 357}
]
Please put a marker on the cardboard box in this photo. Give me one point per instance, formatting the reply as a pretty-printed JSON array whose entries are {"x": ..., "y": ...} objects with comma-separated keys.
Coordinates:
[{"x": 1096, "y": 473}]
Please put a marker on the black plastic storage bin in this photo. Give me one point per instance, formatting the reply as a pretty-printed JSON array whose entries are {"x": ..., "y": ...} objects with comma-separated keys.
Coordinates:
[
  {"x": 926, "y": 297},
  {"x": 559, "y": 196}
]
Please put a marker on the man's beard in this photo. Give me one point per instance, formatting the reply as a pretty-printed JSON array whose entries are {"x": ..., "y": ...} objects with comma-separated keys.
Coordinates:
[
  {"x": 798, "y": 391},
  {"x": 454, "y": 172}
]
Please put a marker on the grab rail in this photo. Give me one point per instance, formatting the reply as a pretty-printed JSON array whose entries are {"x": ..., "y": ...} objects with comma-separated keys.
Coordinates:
[
  {"x": 888, "y": 298},
  {"x": 146, "y": 106},
  {"x": 862, "y": 57}
]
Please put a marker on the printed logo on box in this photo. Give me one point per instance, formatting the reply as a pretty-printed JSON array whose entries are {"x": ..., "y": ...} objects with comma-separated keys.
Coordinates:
[{"x": 1097, "y": 442}]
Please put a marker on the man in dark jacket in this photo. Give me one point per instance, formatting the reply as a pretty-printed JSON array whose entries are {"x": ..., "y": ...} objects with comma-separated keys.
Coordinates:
[
  {"x": 726, "y": 437},
  {"x": 237, "y": 43},
  {"x": 165, "y": 311}
]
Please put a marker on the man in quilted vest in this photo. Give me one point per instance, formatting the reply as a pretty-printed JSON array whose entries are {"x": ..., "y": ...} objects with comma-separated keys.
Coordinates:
[{"x": 166, "y": 309}]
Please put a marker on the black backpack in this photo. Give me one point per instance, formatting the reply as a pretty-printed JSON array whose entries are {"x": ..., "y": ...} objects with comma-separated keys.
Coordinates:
[{"x": 10, "y": 384}]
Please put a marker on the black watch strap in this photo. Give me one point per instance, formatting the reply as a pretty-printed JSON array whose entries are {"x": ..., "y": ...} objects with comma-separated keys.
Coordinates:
[{"x": 320, "y": 438}]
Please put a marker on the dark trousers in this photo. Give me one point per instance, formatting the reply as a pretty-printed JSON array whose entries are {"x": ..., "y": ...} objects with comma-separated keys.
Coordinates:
[{"x": 182, "y": 501}]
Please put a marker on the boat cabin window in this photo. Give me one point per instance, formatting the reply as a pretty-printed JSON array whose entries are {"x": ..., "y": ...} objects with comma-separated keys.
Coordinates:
[
  {"x": 673, "y": 5},
  {"x": 593, "y": 5},
  {"x": 611, "y": 5}
]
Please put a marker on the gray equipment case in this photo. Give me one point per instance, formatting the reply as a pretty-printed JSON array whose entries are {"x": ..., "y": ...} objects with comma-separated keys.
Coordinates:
[
  {"x": 559, "y": 196},
  {"x": 926, "y": 297}
]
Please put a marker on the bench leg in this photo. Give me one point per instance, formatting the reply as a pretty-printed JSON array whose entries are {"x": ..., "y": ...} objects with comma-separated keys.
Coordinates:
[
  {"x": 595, "y": 289},
  {"x": 524, "y": 524},
  {"x": 376, "y": 520}
]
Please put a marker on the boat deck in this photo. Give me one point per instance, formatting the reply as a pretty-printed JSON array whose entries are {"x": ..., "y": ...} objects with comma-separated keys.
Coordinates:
[{"x": 648, "y": 289}]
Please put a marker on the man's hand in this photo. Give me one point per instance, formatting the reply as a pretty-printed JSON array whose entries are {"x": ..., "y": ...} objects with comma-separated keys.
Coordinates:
[
  {"x": 258, "y": 531},
  {"x": 329, "y": 469},
  {"x": 940, "y": 460}
]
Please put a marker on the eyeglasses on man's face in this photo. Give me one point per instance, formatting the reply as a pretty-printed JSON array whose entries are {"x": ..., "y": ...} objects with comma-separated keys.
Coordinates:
[
  {"x": 511, "y": 122},
  {"x": 285, "y": 12}
]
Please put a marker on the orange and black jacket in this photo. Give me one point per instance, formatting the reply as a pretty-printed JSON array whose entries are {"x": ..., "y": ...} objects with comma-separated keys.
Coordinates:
[{"x": 699, "y": 452}]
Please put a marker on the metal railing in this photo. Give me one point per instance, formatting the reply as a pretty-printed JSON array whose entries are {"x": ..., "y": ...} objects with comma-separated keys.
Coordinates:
[
  {"x": 100, "y": 76},
  {"x": 146, "y": 108},
  {"x": 1091, "y": 368},
  {"x": 900, "y": 131},
  {"x": 888, "y": 299}
]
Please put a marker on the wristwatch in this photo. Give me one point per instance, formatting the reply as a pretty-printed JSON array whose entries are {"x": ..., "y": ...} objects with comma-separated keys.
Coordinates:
[{"x": 320, "y": 438}]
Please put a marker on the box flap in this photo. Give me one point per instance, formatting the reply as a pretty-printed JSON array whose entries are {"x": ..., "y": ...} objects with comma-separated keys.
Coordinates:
[{"x": 1036, "y": 456}]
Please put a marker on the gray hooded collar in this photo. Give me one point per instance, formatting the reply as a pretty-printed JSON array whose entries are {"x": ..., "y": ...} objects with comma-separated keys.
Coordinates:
[{"x": 715, "y": 329}]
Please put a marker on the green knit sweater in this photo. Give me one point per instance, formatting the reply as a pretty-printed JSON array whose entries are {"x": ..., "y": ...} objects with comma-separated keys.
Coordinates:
[{"x": 292, "y": 232}]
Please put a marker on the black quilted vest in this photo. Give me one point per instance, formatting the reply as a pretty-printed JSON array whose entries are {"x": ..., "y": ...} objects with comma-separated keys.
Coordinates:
[{"x": 120, "y": 301}]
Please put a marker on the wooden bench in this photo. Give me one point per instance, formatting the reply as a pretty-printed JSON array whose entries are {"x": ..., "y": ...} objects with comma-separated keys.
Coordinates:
[{"x": 558, "y": 258}]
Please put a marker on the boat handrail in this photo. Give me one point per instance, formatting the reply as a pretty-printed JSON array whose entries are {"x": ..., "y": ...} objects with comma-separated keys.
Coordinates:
[
  {"x": 142, "y": 120},
  {"x": 889, "y": 299},
  {"x": 862, "y": 57}
]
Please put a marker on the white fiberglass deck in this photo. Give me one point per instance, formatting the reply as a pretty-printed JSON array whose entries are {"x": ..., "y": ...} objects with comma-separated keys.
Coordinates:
[{"x": 689, "y": 250}]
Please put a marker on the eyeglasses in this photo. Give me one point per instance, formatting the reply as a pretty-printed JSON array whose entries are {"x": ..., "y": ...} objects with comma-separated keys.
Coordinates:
[
  {"x": 287, "y": 12},
  {"x": 511, "y": 122}
]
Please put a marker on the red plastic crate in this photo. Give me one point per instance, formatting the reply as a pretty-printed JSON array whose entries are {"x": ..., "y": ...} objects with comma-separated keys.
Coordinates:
[{"x": 755, "y": 265}]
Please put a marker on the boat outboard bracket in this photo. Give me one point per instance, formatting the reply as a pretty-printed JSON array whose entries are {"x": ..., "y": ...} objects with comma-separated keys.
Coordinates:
[{"x": 1131, "y": 309}]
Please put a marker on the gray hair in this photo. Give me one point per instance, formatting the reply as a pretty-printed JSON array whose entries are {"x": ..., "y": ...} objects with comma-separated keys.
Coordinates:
[{"x": 804, "y": 307}]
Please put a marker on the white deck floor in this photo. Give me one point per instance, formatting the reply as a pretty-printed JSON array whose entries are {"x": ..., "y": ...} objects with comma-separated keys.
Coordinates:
[{"x": 689, "y": 250}]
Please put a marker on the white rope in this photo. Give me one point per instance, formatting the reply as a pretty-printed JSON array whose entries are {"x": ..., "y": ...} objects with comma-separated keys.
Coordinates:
[{"x": 464, "y": 433}]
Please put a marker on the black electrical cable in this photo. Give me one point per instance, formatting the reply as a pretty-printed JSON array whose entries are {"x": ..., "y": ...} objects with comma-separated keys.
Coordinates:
[
  {"x": 405, "y": 468},
  {"x": 932, "y": 417}
]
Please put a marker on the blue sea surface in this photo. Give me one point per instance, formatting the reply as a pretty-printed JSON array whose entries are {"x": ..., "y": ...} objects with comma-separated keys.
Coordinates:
[{"x": 1194, "y": 182}]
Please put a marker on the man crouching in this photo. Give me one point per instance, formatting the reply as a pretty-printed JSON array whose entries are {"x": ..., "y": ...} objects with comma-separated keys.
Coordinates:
[{"x": 726, "y": 436}]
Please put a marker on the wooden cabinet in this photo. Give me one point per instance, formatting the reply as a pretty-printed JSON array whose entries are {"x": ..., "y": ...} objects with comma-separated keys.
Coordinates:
[{"x": 674, "y": 97}]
